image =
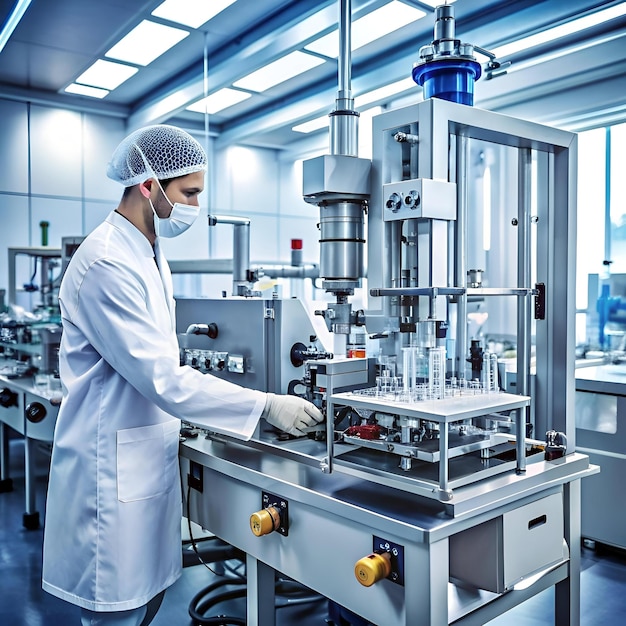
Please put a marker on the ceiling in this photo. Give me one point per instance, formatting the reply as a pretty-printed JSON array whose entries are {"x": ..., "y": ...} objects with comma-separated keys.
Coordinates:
[{"x": 57, "y": 40}]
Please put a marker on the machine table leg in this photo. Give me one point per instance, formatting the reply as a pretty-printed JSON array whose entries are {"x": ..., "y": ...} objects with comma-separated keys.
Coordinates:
[
  {"x": 261, "y": 609},
  {"x": 31, "y": 516}
]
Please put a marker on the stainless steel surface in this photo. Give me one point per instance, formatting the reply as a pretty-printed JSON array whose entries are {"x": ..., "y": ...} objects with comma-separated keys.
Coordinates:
[
  {"x": 601, "y": 434},
  {"x": 445, "y": 411},
  {"x": 260, "y": 333},
  {"x": 420, "y": 198},
  {"x": 335, "y": 174},
  {"x": 497, "y": 554},
  {"x": 343, "y": 513}
]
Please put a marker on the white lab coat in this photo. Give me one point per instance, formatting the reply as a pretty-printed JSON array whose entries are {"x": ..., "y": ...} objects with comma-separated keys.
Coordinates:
[{"x": 113, "y": 514}]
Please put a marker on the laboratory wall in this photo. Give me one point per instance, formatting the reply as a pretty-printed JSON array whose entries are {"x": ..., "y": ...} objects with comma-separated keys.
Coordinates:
[
  {"x": 52, "y": 164},
  {"x": 53, "y": 169}
]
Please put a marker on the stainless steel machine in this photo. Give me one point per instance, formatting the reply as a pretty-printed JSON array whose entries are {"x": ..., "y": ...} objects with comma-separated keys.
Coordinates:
[
  {"x": 28, "y": 408},
  {"x": 30, "y": 389},
  {"x": 429, "y": 495},
  {"x": 601, "y": 408},
  {"x": 600, "y": 434}
]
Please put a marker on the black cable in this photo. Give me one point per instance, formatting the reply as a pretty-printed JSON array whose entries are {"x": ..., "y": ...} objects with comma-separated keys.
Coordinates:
[
  {"x": 194, "y": 545},
  {"x": 200, "y": 604},
  {"x": 197, "y": 607},
  {"x": 32, "y": 278}
]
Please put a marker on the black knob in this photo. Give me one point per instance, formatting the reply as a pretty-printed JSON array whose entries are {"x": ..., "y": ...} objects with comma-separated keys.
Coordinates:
[
  {"x": 8, "y": 398},
  {"x": 212, "y": 332},
  {"x": 35, "y": 412}
]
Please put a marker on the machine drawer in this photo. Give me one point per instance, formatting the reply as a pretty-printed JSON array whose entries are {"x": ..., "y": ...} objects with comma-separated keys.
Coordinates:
[{"x": 499, "y": 553}]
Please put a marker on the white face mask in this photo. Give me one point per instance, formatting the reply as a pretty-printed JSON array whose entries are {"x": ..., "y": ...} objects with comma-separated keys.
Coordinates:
[{"x": 179, "y": 220}]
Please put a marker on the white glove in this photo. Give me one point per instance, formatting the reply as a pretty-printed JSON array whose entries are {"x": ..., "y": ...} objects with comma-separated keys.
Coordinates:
[{"x": 291, "y": 413}]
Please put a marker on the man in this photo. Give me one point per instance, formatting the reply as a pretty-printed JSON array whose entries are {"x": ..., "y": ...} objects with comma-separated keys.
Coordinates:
[{"x": 112, "y": 534}]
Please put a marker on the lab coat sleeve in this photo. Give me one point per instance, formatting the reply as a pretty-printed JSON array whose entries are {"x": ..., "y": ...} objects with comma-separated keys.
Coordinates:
[{"x": 113, "y": 311}]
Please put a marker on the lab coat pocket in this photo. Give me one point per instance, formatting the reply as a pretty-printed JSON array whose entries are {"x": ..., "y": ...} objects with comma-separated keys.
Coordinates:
[{"x": 147, "y": 459}]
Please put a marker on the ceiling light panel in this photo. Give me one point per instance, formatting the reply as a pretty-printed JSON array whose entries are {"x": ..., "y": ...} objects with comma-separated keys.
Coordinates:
[
  {"x": 219, "y": 101},
  {"x": 147, "y": 41},
  {"x": 84, "y": 90},
  {"x": 561, "y": 31},
  {"x": 369, "y": 28},
  {"x": 12, "y": 21},
  {"x": 192, "y": 13},
  {"x": 436, "y": 3},
  {"x": 106, "y": 74},
  {"x": 312, "y": 125},
  {"x": 279, "y": 71},
  {"x": 385, "y": 92}
]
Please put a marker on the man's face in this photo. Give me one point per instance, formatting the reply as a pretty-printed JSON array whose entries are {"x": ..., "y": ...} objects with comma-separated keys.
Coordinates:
[{"x": 185, "y": 190}]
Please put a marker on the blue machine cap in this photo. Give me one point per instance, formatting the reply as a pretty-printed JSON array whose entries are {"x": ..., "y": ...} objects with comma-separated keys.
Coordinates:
[{"x": 448, "y": 79}]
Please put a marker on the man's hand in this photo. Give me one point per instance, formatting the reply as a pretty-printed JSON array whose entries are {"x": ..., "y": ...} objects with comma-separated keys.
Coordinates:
[{"x": 291, "y": 413}]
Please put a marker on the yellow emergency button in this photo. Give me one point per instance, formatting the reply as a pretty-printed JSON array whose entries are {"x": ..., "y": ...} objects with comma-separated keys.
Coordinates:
[
  {"x": 372, "y": 568},
  {"x": 265, "y": 521}
]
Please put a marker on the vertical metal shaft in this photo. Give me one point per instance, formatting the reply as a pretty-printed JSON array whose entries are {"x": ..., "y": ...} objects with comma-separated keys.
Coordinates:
[
  {"x": 344, "y": 120},
  {"x": 461, "y": 251},
  {"x": 523, "y": 304},
  {"x": 345, "y": 52},
  {"x": 607, "y": 198}
]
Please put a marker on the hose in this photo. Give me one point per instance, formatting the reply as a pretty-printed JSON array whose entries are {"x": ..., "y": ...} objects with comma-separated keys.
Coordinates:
[{"x": 200, "y": 603}]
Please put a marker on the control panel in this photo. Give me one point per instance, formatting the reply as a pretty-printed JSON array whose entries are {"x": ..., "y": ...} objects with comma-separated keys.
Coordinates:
[{"x": 214, "y": 360}]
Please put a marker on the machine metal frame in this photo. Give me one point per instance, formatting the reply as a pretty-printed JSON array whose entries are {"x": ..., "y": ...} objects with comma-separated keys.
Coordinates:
[{"x": 337, "y": 512}]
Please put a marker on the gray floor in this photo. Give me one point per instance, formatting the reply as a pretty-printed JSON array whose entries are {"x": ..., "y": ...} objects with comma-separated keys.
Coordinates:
[{"x": 23, "y": 603}]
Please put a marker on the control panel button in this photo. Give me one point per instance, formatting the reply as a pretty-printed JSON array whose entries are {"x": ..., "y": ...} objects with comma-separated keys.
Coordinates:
[{"x": 372, "y": 568}]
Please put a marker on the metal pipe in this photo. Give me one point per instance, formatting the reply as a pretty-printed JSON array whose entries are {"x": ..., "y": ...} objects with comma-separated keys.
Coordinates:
[
  {"x": 228, "y": 219},
  {"x": 416, "y": 291},
  {"x": 345, "y": 50},
  {"x": 241, "y": 249},
  {"x": 241, "y": 256},
  {"x": 344, "y": 131},
  {"x": 453, "y": 291},
  {"x": 288, "y": 271},
  {"x": 225, "y": 266}
]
